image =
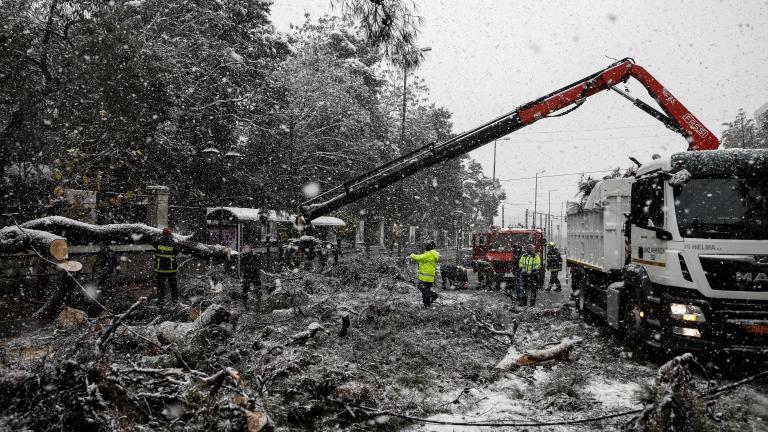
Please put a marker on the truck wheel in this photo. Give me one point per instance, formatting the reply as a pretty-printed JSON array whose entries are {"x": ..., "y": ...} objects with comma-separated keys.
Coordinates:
[{"x": 585, "y": 313}]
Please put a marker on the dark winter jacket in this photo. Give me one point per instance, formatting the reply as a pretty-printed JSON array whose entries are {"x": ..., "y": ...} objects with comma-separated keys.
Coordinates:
[
  {"x": 165, "y": 255},
  {"x": 106, "y": 262},
  {"x": 250, "y": 265},
  {"x": 517, "y": 253},
  {"x": 554, "y": 259}
]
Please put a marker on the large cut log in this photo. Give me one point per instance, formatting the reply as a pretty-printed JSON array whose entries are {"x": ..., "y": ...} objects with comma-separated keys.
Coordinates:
[
  {"x": 14, "y": 239},
  {"x": 514, "y": 359},
  {"x": 84, "y": 233}
]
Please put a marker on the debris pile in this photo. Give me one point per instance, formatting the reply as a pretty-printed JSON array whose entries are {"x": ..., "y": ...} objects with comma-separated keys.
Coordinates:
[{"x": 316, "y": 352}]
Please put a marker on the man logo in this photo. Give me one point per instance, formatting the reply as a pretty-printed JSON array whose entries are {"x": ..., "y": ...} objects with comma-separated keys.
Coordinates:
[{"x": 747, "y": 277}]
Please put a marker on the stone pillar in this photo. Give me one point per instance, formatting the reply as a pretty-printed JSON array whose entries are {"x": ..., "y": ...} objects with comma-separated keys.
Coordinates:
[
  {"x": 157, "y": 206},
  {"x": 360, "y": 233},
  {"x": 382, "y": 235}
]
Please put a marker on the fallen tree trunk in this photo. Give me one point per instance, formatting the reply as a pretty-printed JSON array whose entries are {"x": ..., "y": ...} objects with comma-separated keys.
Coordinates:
[
  {"x": 513, "y": 359},
  {"x": 171, "y": 331},
  {"x": 14, "y": 239},
  {"x": 134, "y": 233}
]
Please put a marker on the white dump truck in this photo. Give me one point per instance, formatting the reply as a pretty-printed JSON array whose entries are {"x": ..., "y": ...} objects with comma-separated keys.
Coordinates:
[{"x": 677, "y": 255}]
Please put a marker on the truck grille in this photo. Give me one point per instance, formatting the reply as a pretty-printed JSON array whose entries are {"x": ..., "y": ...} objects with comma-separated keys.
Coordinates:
[
  {"x": 743, "y": 322},
  {"x": 503, "y": 266},
  {"x": 736, "y": 272}
]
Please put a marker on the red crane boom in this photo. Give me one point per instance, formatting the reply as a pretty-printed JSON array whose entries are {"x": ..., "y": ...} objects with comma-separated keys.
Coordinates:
[{"x": 675, "y": 116}]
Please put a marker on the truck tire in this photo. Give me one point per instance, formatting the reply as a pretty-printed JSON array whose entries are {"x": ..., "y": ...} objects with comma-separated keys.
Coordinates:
[{"x": 578, "y": 284}]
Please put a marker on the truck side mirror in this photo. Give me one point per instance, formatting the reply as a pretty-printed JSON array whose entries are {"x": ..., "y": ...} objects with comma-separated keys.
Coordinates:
[{"x": 663, "y": 235}]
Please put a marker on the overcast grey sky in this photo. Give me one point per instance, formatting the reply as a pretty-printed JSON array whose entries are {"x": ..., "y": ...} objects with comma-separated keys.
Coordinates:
[{"x": 490, "y": 56}]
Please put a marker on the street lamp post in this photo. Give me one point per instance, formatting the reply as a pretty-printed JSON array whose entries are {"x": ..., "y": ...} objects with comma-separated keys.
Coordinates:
[
  {"x": 549, "y": 216},
  {"x": 536, "y": 195},
  {"x": 405, "y": 93},
  {"x": 459, "y": 236},
  {"x": 231, "y": 158},
  {"x": 494, "y": 162}
]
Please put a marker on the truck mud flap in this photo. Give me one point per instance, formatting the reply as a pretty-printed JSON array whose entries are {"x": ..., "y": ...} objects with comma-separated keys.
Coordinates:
[{"x": 613, "y": 304}]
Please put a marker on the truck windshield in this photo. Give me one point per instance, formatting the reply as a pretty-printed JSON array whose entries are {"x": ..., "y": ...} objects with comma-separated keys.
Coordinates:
[
  {"x": 505, "y": 242},
  {"x": 723, "y": 208}
]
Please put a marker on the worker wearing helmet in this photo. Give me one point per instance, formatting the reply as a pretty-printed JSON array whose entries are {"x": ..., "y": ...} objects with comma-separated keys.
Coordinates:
[
  {"x": 554, "y": 265},
  {"x": 427, "y": 268},
  {"x": 165, "y": 266},
  {"x": 530, "y": 265}
]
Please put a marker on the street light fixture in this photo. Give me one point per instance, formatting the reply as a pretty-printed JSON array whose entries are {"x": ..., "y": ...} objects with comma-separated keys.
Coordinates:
[{"x": 536, "y": 195}]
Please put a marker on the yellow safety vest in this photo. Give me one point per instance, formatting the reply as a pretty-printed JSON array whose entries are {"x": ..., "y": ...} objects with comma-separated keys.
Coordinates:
[
  {"x": 427, "y": 264},
  {"x": 530, "y": 263},
  {"x": 165, "y": 257}
]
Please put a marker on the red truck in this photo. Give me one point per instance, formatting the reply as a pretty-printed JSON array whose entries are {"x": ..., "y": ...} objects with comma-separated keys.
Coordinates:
[{"x": 495, "y": 253}]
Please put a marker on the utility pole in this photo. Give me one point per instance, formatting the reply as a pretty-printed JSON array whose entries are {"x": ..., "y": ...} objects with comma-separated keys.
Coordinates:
[
  {"x": 562, "y": 222},
  {"x": 502, "y": 216},
  {"x": 494, "y": 165},
  {"x": 535, "y": 197},
  {"x": 549, "y": 212},
  {"x": 526, "y": 218}
]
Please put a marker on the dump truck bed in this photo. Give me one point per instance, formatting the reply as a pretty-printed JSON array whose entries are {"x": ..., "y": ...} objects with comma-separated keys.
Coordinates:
[{"x": 596, "y": 229}]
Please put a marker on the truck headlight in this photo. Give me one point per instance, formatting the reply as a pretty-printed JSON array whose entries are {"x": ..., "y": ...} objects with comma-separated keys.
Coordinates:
[{"x": 686, "y": 312}]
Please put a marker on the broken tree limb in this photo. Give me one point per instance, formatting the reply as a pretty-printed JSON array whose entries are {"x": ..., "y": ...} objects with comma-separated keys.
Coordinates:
[
  {"x": 134, "y": 233},
  {"x": 717, "y": 392},
  {"x": 674, "y": 406},
  {"x": 168, "y": 348},
  {"x": 171, "y": 331},
  {"x": 513, "y": 359},
  {"x": 302, "y": 337},
  {"x": 489, "y": 327},
  {"x": 120, "y": 318},
  {"x": 216, "y": 380}
]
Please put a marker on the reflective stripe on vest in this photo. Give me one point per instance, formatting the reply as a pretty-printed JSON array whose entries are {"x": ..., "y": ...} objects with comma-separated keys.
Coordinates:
[
  {"x": 165, "y": 261},
  {"x": 529, "y": 263}
]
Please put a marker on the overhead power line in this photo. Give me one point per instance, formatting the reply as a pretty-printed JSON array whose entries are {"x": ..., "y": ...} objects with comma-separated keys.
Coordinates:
[{"x": 555, "y": 175}]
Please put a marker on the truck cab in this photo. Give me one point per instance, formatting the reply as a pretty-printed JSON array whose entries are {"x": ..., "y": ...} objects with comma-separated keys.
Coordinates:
[
  {"x": 495, "y": 253},
  {"x": 699, "y": 231}
]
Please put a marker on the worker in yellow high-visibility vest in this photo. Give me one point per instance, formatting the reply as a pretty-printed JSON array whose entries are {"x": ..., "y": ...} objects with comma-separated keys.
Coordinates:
[
  {"x": 427, "y": 268},
  {"x": 530, "y": 265}
]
